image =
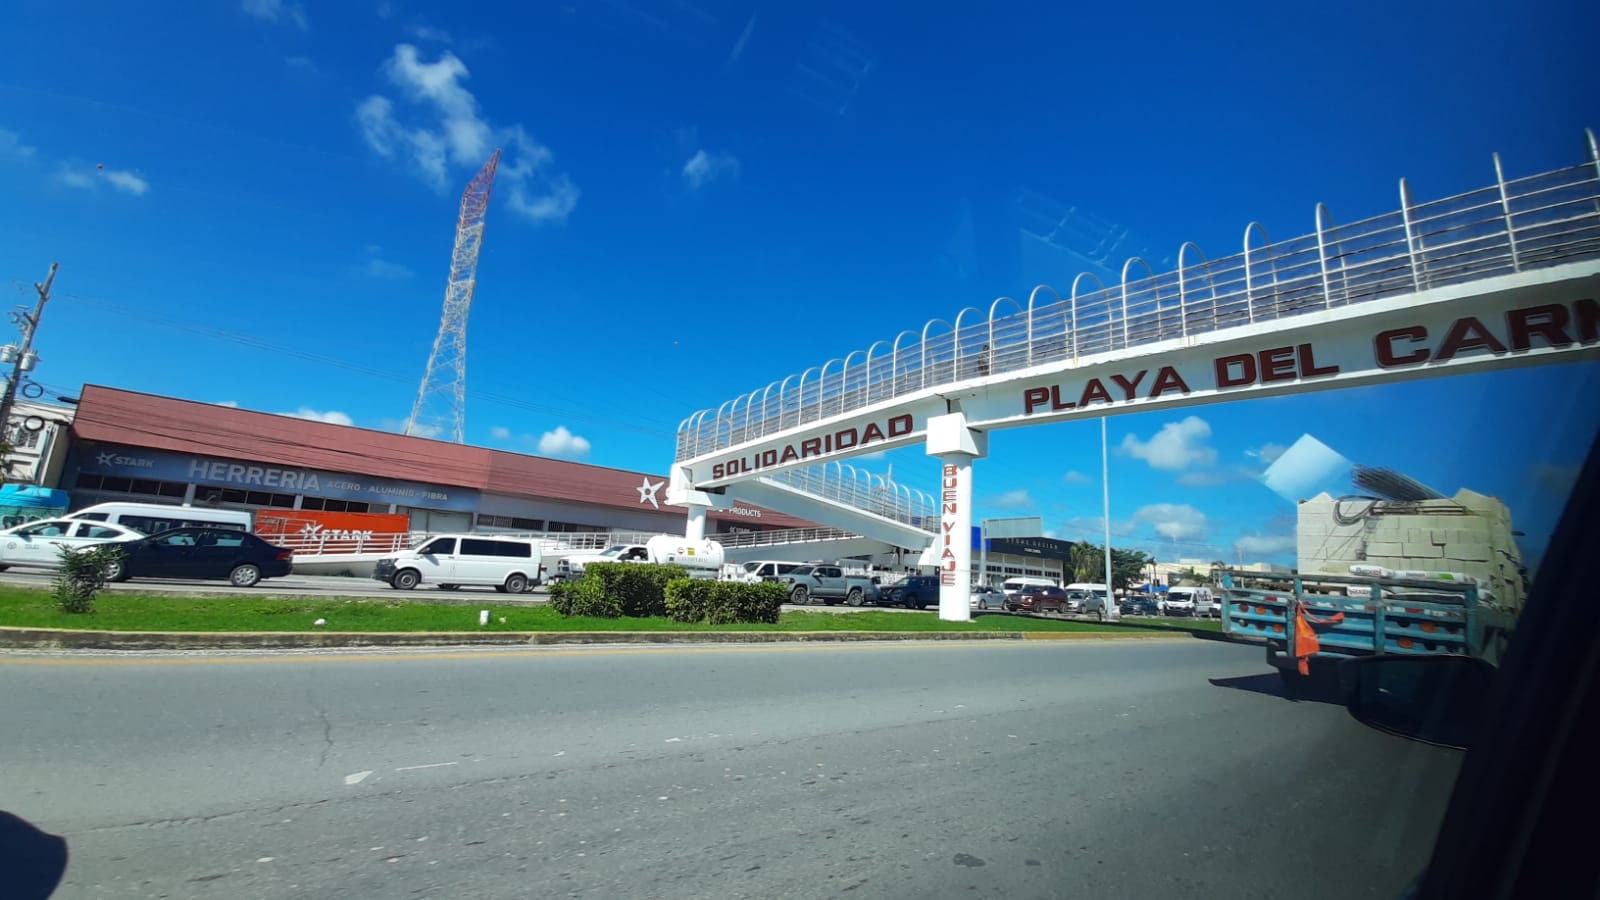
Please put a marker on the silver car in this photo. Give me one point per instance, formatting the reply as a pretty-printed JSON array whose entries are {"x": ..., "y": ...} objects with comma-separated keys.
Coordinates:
[{"x": 985, "y": 597}]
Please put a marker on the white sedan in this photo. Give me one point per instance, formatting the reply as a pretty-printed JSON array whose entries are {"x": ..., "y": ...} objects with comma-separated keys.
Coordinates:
[{"x": 39, "y": 543}]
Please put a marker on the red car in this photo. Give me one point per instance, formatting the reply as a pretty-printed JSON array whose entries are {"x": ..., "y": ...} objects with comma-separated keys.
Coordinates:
[{"x": 1038, "y": 598}]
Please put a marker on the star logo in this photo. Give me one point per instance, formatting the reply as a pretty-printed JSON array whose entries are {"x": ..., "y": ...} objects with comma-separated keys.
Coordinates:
[
  {"x": 648, "y": 491},
  {"x": 105, "y": 459}
]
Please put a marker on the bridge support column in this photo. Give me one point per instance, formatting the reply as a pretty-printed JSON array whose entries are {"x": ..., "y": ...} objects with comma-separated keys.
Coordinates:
[
  {"x": 695, "y": 529},
  {"x": 681, "y": 493},
  {"x": 956, "y": 446}
]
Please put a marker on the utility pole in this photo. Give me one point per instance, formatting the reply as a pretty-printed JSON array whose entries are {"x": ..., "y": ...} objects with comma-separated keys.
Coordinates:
[{"x": 28, "y": 325}]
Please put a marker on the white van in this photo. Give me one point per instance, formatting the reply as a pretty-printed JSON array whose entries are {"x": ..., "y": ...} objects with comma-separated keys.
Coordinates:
[
  {"x": 508, "y": 564},
  {"x": 154, "y": 518},
  {"x": 1190, "y": 601},
  {"x": 758, "y": 570},
  {"x": 1012, "y": 585}
]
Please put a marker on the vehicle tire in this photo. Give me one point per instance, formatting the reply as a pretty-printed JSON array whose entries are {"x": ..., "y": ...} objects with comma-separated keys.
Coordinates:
[
  {"x": 116, "y": 570},
  {"x": 983, "y": 605},
  {"x": 854, "y": 598},
  {"x": 3, "y": 568},
  {"x": 1294, "y": 684},
  {"x": 405, "y": 579},
  {"x": 800, "y": 596},
  {"x": 246, "y": 575},
  {"x": 449, "y": 587},
  {"x": 910, "y": 602},
  {"x": 516, "y": 583},
  {"x": 1098, "y": 615}
]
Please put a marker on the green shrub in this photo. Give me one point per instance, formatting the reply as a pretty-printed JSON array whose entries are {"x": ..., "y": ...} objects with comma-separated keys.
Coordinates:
[
  {"x": 723, "y": 603},
  {"x": 584, "y": 597},
  {"x": 83, "y": 573},
  {"x": 640, "y": 590}
]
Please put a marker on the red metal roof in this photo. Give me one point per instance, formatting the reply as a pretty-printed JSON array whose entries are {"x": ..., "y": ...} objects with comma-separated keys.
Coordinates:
[{"x": 116, "y": 416}]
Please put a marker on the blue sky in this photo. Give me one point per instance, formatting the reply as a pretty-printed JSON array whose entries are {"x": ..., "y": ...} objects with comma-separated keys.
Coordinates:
[{"x": 254, "y": 202}]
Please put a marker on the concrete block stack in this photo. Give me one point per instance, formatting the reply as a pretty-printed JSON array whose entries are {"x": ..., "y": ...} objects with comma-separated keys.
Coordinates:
[{"x": 1469, "y": 533}]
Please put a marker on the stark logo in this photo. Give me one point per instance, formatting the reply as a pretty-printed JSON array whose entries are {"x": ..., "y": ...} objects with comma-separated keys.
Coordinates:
[
  {"x": 316, "y": 529},
  {"x": 648, "y": 491}
]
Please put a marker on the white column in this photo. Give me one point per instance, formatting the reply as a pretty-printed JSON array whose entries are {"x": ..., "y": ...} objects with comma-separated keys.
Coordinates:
[
  {"x": 955, "y": 537},
  {"x": 695, "y": 528},
  {"x": 955, "y": 446}
]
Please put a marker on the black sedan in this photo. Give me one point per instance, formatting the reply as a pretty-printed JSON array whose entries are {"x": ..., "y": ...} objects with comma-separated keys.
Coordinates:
[{"x": 203, "y": 553}]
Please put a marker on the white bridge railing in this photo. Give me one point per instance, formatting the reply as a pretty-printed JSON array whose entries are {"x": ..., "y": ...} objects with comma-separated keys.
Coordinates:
[
  {"x": 782, "y": 536},
  {"x": 1510, "y": 226},
  {"x": 845, "y": 484}
]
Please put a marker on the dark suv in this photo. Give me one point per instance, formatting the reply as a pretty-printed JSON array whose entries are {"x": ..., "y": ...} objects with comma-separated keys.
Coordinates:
[
  {"x": 915, "y": 592},
  {"x": 1038, "y": 598}
]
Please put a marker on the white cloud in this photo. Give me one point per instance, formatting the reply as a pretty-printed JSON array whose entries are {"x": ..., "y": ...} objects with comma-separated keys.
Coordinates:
[
  {"x": 1174, "y": 521},
  {"x": 1268, "y": 453},
  {"x": 703, "y": 168},
  {"x": 231, "y": 404},
  {"x": 124, "y": 181},
  {"x": 446, "y": 130},
  {"x": 499, "y": 432},
  {"x": 332, "y": 416},
  {"x": 1076, "y": 477},
  {"x": 277, "y": 12},
  {"x": 11, "y": 145},
  {"x": 1265, "y": 545},
  {"x": 562, "y": 442},
  {"x": 429, "y": 33},
  {"x": 423, "y": 431},
  {"x": 1017, "y": 499},
  {"x": 742, "y": 42},
  {"x": 380, "y": 268},
  {"x": 1178, "y": 445},
  {"x": 1216, "y": 477}
]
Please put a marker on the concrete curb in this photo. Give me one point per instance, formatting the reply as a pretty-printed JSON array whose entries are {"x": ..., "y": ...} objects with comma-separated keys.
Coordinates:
[{"x": 13, "y": 638}]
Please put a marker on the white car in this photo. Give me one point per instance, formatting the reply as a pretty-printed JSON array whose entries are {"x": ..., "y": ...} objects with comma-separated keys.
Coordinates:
[{"x": 39, "y": 543}]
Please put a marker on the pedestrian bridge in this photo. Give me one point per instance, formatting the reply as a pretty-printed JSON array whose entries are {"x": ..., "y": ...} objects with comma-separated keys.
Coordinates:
[{"x": 1505, "y": 275}]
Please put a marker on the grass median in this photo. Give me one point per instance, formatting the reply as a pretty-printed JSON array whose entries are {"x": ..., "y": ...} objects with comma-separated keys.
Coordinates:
[{"x": 20, "y": 607}]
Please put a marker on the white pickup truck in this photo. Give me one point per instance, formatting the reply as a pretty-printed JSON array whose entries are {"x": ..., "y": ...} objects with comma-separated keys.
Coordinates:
[{"x": 831, "y": 585}]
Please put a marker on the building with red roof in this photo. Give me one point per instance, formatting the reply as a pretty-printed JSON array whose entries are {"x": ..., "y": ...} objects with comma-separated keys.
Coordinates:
[{"x": 131, "y": 446}]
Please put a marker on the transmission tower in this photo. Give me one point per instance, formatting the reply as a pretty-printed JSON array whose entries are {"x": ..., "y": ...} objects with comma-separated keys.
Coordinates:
[{"x": 440, "y": 410}]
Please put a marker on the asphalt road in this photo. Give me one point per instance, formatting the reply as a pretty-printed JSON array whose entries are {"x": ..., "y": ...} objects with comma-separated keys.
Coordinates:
[{"x": 1084, "y": 769}]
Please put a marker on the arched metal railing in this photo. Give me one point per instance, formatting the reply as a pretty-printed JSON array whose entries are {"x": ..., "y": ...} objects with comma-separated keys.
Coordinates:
[
  {"x": 1512, "y": 225},
  {"x": 848, "y": 485}
]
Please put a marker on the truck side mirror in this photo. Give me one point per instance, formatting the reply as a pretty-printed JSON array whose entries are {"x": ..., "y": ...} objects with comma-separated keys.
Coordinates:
[{"x": 1436, "y": 699}]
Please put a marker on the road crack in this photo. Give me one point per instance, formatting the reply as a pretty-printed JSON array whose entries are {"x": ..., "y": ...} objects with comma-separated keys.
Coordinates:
[{"x": 327, "y": 729}]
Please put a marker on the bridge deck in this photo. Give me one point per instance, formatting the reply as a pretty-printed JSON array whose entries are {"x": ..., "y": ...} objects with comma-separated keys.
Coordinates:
[{"x": 1514, "y": 225}]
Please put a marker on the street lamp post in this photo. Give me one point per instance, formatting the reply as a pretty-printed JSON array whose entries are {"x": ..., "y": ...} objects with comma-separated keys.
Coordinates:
[{"x": 1111, "y": 610}]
